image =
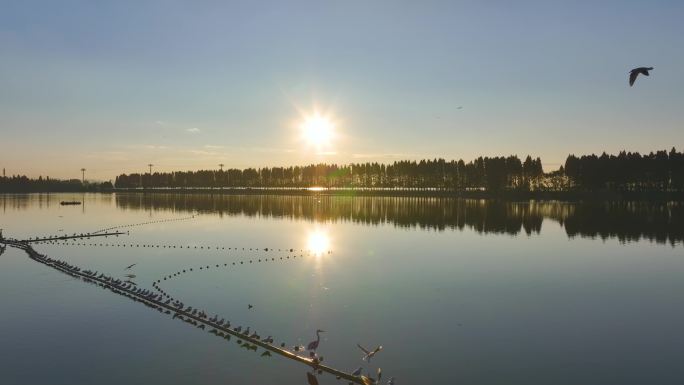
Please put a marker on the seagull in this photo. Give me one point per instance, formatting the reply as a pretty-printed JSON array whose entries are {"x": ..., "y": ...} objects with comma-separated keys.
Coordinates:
[
  {"x": 249, "y": 306},
  {"x": 313, "y": 345},
  {"x": 636, "y": 72},
  {"x": 129, "y": 267},
  {"x": 369, "y": 354}
]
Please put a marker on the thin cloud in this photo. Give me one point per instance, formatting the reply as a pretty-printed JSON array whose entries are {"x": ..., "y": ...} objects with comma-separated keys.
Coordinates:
[{"x": 193, "y": 130}]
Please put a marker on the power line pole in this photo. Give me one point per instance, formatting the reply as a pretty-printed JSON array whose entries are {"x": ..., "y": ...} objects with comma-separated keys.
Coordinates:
[
  {"x": 221, "y": 166},
  {"x": 83, "y": 170},
  {"x": 150, "y": 165}
]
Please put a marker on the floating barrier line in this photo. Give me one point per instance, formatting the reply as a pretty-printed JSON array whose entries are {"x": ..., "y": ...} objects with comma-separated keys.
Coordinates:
[
  {"x": 161, "y": 246},
  {"x": 118, "y": 289},
  {"x": 144, "y": 223},
  {"x": 64, "y": 237}
]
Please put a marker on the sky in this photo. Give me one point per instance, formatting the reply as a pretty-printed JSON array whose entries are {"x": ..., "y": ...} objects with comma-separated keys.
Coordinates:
[{"x": 186, "y": 85}]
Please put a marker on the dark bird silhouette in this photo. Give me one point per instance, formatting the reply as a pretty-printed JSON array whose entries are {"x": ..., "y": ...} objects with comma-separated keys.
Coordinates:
[
  {"x": 129, "y": 267},
  {"x": 249, "y": 306},
  {"x": 313, "y": 345},
  {"x": 636, "y": 72}
]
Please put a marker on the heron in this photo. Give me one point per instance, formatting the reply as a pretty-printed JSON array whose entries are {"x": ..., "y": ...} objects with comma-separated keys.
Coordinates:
[
  {"x": 313, "y": 345},
  {"x": 369, "y": 354},
  {"x": 636, "y": 72}
]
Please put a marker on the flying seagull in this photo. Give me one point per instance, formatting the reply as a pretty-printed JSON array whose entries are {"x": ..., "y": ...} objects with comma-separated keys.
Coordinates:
[
  {"x": 635, "y": 72},
  {"x": 369, "y": 354},
  {"x": 129, "y": 267}
]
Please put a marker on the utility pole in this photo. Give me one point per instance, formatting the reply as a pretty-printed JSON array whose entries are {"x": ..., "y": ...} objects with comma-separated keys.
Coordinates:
[
  {"x": 150, "y": 165},
  {"x": 83, "y": 170},
  {"x": 221, "y": 166}
]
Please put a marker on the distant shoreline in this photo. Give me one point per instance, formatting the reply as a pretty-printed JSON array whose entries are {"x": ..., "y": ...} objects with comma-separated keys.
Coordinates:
[{"x": 605, "y": 195}]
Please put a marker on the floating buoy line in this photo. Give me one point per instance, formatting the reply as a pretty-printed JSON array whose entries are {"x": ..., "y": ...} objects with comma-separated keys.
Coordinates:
[
  {"x": 168, "y": 305},
  {"x": 143, "y": 223}
]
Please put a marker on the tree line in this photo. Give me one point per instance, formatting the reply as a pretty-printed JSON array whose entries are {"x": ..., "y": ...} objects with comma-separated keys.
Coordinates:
[
  {"x": 627, "y": 171},
  {"x": 488, "y": 173},
  {"x": 23, "y": 184}
]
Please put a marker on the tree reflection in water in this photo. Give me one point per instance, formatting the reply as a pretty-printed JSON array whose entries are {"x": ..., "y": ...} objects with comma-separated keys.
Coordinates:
[{"x": 662, "y": 222}]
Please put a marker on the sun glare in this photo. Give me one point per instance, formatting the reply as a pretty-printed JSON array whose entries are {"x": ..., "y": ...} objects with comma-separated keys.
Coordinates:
[
  {"x": 318, "y": 243},
  {"x": 318, "y": 130}
]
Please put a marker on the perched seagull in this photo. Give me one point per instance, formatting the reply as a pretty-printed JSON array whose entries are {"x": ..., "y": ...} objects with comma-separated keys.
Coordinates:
[
  {"x": 129, "y": 267},
  {"x": 369, "y": 354},
  {"x": 636, "y": 72}
]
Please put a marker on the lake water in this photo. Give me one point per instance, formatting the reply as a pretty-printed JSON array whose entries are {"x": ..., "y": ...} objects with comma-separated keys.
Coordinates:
[{"x": 456, "y": 291}]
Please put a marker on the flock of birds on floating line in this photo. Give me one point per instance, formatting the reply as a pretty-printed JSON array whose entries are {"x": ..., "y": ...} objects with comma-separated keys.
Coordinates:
[{"x": 193, "y": 315}]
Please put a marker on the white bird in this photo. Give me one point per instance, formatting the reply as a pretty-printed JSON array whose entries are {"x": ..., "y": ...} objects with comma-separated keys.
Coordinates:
[
  {"x": 369, "y": 354},
  {"x": 313, "y": 345},
  {"x": 636, "y": 72}
]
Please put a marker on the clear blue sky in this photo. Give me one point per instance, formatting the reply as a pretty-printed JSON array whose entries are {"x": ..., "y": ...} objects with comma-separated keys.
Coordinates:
[{"x": 190, "y": 84}]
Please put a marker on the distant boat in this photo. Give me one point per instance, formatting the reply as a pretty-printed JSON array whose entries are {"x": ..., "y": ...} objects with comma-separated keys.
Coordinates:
[{"x": 66, "y": 203}]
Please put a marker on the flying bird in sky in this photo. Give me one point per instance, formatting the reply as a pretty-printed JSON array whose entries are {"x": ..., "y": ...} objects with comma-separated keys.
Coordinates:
[
  {"x": 636, "y": 72},
  {"x": 129, "y": 267}
]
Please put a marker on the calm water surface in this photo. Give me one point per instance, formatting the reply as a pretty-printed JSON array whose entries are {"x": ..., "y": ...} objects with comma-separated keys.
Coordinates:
[{"x": 457, "y": 291}]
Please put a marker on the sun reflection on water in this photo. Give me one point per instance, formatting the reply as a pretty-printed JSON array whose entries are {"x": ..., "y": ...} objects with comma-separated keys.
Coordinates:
[{"x": 318, "y": 242}]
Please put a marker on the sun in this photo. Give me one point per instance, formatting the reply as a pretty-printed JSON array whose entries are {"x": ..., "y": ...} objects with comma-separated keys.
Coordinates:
[{"x": 318, "y": 130}]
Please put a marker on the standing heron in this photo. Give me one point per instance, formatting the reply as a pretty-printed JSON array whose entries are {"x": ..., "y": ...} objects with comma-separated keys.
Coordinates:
[
  {"x": 313, "y": 345},
  {"x": 636, "y": 72}
]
